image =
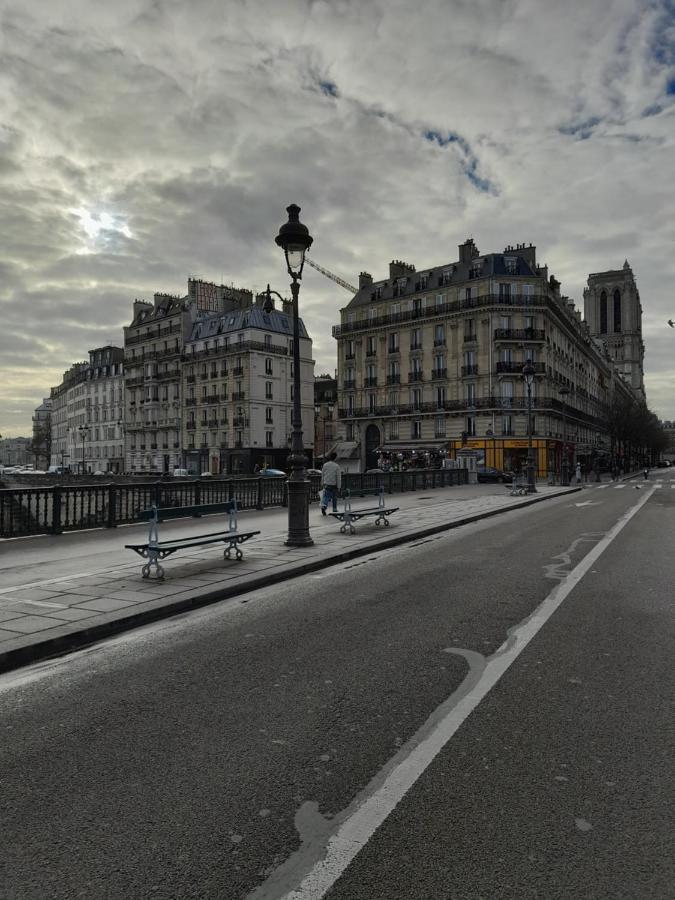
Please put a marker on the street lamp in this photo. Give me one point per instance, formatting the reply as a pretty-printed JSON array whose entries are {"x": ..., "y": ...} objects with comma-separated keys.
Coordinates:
[
  {"x": 565, "y": 472},
  {"x": 528, "y": 375},
  {"x": 294, "y": 239},
  {"x": 325, "y": 418},
  {"x": 84, "y": 432}
]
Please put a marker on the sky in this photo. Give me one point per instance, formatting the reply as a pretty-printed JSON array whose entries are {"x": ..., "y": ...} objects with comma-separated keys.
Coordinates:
[{"x": 147, "y": 141}]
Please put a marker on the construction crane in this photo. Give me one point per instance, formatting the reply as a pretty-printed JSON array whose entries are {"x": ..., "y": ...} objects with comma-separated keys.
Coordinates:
[{"x": 345, "y": 284}]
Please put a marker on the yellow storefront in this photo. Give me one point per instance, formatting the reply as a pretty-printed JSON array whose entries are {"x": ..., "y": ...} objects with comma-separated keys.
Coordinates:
[{"x": 510, "y": 454}]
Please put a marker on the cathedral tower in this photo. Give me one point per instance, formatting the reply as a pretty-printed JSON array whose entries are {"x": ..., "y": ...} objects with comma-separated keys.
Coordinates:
[{"x": 613, "y": 312}]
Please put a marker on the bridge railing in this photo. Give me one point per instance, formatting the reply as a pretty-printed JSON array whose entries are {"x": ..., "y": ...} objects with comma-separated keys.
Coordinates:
[{"x": 72, "y": 507}]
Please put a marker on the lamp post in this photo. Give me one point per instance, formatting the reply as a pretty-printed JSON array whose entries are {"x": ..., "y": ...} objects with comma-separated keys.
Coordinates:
[
  {"x": 565, "y": 471},
  {"x": 324, "y": 419},
  {"x": 294, "y": 239},
  {"x": 528, "y": 375},
  {"x": 84, "y": 431}
]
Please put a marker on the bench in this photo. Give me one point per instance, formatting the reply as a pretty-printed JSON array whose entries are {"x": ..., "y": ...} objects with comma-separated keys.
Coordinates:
[
  {"x": 154, "y": 549},
  {"x": 349, "y": 515}
]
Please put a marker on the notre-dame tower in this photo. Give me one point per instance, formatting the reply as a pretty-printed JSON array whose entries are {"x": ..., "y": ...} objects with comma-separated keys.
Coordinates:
[{"x": 613, "y": 312}]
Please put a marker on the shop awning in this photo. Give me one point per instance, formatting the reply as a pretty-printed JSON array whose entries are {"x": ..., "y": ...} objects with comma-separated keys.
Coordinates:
[{"x": 346, "y": 450}]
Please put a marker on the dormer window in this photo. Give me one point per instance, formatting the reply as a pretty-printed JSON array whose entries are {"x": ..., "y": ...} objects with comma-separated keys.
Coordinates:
[{"x": 511, "y": 264}]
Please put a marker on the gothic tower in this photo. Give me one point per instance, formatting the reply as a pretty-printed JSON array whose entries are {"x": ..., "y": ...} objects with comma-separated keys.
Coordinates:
[{"x": 613, "y": 312}]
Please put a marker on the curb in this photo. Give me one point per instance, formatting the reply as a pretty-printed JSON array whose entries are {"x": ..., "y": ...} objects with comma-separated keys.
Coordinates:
[{"x": 63, "y": 644}]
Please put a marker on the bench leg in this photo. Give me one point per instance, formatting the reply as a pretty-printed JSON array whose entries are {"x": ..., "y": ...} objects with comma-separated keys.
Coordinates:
[
  {"x": 382, "y": 519},
  {"x": 238, "y": 554},
  {"x": 153, "y": 562}
]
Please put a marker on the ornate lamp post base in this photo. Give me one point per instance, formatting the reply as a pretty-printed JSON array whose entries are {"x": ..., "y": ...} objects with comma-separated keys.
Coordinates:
[{"x": 298, "y": 513}]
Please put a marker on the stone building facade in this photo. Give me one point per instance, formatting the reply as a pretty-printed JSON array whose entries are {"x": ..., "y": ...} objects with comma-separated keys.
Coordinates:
[
  {"x": 430, "y": 362},
  {"x": 238, "y": 390},
  {"x": 42, "y": 429},
  {"x": 613, "y": 312}
]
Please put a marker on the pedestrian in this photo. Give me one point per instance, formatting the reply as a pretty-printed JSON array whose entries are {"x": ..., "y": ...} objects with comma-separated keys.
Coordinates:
[
  {"x": 646, "y": 473},
  {"x": 256, "y": 468},
  {"x": 578, "y": 473},
  {"x": 331, "y": 482}
]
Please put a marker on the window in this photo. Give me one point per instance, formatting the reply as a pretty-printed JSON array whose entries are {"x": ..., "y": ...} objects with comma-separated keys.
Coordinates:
[
  {"x": 439, "y": 426},
  {"x": 393, "y": 400},
  {"x": 505, "y": 323},
  {"x": 424, "y": 280},
  {"x": 416, "y": 429},
  {"x": 418, "y": 305},
  {"x": 268, "y": 340},
  {"x": 440, "y": 397},
  {"x": 469, "y": 329},
  {"x": 393, "y": 431},
  {"x": 371, "y": 404},
  {"x": 504, "y": 292},
  {"x": 268, "y": 415},
  {"x": 447, "y": 275},
  {"x": 506, "y": 355},
  {"x": 350, "y": 405},
  {"x": 528, "y": 322},
  {"x": 467, "y": 293},
  {"x": 471, "y": 425},
  {"x": 268, "y": 366},
  {"x": 470, "y": 357},
  {"x": 372, "y": 314},
  {"x": 507, "y": 425},
  {"x": 269, "y": 438},
  {"x": 617, "y": 311},
  {"x": 439, "y": 335},
  {"x": 440, "y": 300},
  {"x": 416, "y": 339},
  {"x": 603, "y": 313},
  {"x": 416, "y": 398},
  {"x": 506, "y": 389},
  {"x": 470, "y": 390},
  {"x": 511, "y": 264},
  {"x": 527, "y": 292},
  {"x": 371, "y": 347},
  {"x": 349, "y": 431},
  {"x": 393, "y": 343},
  {"x": 395, "y": 309}
]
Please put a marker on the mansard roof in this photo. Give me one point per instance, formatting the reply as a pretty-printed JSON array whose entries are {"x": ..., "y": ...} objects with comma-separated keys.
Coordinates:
[{"x": 276, "y": 322}]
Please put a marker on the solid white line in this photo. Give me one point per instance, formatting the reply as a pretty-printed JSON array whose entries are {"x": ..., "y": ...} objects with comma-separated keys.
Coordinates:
[
  {"x": 354, "y": 833},
  {"x": 619, "y": 486}
]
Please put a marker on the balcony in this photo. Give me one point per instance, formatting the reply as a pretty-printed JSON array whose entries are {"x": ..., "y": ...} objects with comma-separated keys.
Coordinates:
[
  {"x": 223, "y": 397},
  {"x": 190, "y": 379},
  {"x": 223, "y": 373},
  {"x": 469, "y": 370},
  {"x": 439, "y": 373},
  {"x": 371, "y": 352},
  {"x": 370, "y": 382},
  {"x": 213, "y": 423},
  {"x": 415, "y": 376},
  {"x": 520, "y": 334},
  {"x": 415, "y": 346},
  {"x": 516, "y": 368},
  {"x": 470, "y": 338},
  {"x": 191, "y": 401},
  {"x": 393, "y": 379},
  {"x": 224, "y": 421},
  {"x": 240, "y": 422},
  {"x": 350, "y": 355},
  {"x": 439, "y": 342},
  {"x": 213, "y": 398},
  {"x": 153, "y": 446},
  {"x": 238, "y": 372},
  {"x": 191, "y": 426},
  {"x": 204, "y": 376},
  {"x": 349, "y": 384},
  {"x": 239, "y": 395}
]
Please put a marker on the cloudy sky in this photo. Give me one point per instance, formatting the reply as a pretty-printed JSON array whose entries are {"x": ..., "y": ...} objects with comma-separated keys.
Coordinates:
[{"x": 144, "y": 141}]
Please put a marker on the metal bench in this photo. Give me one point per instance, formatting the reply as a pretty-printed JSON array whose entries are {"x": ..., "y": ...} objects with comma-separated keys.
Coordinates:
[
  {"x": 349, "y": 515},
  {"x": 154, "y": 549},
  {"x": 519, "y": 486}
]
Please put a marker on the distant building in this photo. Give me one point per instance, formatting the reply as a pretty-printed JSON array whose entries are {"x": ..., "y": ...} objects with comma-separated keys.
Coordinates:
[
  {"x": 87, "y": 414},
  {"x": 238, "y": 389},
  {"x": 42, "y": 434},
  {"x": 16, "y": 451},
  {"x": 613, "y": 312}
]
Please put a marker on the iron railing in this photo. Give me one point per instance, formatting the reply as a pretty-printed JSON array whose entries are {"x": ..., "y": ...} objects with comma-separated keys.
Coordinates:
[{"x": 73, "y": 507}]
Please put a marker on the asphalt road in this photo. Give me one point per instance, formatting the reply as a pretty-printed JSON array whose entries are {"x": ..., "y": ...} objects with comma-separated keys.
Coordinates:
[{"x": 211, "y": 756}]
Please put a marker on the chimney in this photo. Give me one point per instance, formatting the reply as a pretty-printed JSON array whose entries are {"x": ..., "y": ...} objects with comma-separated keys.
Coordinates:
[
  {"x": 397, "y": 268},
  {"x": 139, "y": 305},
  {"x": 287, "y": 307},
  {"x": 365, "y": 280},
  {"x": 467, "y": 251}
]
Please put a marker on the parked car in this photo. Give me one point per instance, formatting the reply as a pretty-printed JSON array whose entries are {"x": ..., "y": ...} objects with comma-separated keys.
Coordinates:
[
  {"x": 486, "y": 475},
  {"x": 663, "y": 464},
  {"x": 313, "y": 471},
  {"x": 180, "y": 473},
  {"x": 271, "y": 472}
]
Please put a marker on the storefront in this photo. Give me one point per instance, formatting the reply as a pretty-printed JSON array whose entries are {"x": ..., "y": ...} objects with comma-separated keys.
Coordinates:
[
  {"x": 401, "y": 455},
  {"x": 510, "y": 454}
]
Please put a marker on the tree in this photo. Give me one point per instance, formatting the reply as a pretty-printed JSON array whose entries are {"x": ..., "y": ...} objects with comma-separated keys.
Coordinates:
[{"x": 41, "y": 445}]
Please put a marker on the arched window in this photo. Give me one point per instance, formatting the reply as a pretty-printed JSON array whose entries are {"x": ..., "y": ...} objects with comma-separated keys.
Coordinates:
[
  {"x": 603, "y": 313},
  {"x": 617, "y": 310}
]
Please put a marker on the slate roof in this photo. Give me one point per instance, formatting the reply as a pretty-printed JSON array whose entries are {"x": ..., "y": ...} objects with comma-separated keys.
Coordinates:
[
  {"x": 493, "y": 265},
  {"x": 236, "y": 320}
]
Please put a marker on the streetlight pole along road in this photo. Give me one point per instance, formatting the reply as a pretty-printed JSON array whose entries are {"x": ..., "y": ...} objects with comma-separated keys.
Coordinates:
[
  {"x": 294, "y": 239},
  {"x": 565, "y": 469},
  {"x": 528, "y": 375}
]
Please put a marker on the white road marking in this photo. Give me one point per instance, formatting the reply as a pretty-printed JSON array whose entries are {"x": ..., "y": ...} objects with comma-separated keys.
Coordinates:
[
  {"x": 619, "y": 486},
  {"x": 589, "y": 503},
  {"x": 358, "y": 828}
]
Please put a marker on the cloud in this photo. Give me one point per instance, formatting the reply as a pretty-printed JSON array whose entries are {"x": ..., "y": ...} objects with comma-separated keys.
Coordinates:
[{"x": 146, "y": 141}]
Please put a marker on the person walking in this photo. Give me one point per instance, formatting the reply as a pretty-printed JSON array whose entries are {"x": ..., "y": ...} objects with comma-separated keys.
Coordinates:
[
  {"x": 331, "y": 481},
  {"x": 578, "y": 473}
]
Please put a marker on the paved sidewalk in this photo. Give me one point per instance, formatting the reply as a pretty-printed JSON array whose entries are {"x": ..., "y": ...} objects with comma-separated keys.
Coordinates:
[{"x": 47, "y": 617}]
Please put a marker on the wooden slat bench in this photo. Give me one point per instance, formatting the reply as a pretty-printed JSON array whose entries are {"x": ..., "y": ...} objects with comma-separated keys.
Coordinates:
[
  {"x": 349, "y": 515},
  {"x": 153, "y": 550}
]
